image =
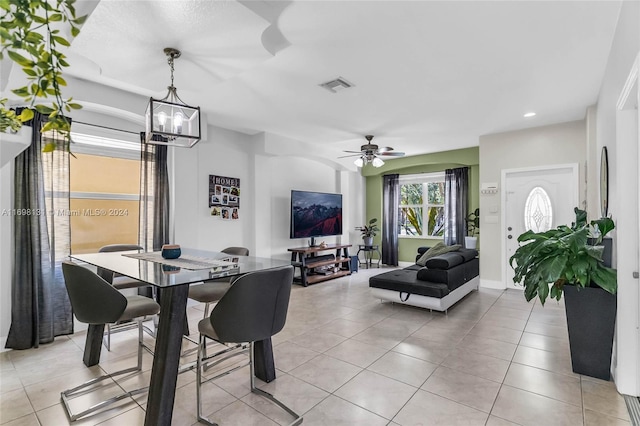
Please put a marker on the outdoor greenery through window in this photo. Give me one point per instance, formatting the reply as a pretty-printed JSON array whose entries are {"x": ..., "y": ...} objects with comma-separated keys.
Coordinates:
[{"x": 422, "y": 205}]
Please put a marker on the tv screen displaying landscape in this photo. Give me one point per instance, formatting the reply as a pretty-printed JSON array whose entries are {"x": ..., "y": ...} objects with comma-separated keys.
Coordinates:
[{"x": 315, "y": 214}]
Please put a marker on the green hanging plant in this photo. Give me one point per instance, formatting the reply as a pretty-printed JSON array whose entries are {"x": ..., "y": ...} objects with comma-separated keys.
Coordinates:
[{"x": 30, "y": 40}]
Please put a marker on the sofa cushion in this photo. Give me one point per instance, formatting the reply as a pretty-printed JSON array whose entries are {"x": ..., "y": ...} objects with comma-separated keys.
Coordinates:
[
  {"x": 468, "y": 254},
  {"x": 445, "y": 261},
  {"x": 436, "y": 250},
  {"x": 453, "y": 277},
  {"x": 421, "y": 251}
]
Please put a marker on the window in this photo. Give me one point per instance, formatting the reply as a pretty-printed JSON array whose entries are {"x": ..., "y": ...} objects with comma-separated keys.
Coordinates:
[
  {"x": 422, "y": 205},
  {"x": 104, "y": 191}
]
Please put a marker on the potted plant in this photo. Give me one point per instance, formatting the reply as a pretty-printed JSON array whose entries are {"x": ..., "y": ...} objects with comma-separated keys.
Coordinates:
[
  {"x": 473, "y": 229},
  {"x": 369, "y": 231},
  {"x": 569, "y": 260}
]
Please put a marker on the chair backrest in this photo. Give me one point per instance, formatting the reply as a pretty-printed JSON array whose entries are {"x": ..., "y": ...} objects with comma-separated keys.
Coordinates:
[
  {"x": 105, "y": 273},
  {"x": 239, "y": 251},
  {"x": 255, "y": 306},
  {"x": 93, "y": 300},
  {"x": 119, "y": 247}
]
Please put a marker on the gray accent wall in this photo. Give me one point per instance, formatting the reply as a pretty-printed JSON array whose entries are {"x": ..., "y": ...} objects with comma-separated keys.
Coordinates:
[{"x": 539, "y": 146}]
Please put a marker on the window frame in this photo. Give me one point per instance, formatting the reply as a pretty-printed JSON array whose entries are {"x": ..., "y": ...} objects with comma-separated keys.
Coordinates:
[
  {"x": 108, "y": 143},
  {"x": 424, "y": 179}
]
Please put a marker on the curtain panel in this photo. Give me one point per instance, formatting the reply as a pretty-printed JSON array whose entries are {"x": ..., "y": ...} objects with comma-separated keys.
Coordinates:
[
  {"x": 390, "y": 205},
  {"x": 456, "y": 205},
  {"x": 40, "y": 308},
  {"x": 154, "y": 196}
]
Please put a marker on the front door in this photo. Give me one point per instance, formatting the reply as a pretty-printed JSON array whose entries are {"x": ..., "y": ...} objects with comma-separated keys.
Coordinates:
[{"x": 536, "y": 199}]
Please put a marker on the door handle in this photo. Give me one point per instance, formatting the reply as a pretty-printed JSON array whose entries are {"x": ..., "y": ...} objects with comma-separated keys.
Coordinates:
[{"x": 636, "y": 275}]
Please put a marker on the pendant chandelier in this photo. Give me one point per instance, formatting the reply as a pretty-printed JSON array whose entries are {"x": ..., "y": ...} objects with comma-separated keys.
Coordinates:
[{"x": 169, "y": 121}]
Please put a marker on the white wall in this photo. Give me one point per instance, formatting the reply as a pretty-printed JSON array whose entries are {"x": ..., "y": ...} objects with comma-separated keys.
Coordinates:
[
  {"x": 623, "y": 166},
  {"x": 223, "y": 154},
  {"x": 556, "y": 144},
  {"x": 266, "y": 181}
]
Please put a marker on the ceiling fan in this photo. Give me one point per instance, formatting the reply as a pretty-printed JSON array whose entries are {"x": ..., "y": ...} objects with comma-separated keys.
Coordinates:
[{"x": 371, "y": 153}]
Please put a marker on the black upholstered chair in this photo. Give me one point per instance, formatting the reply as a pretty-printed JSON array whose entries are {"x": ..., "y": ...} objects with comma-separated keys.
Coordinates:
[
  {"x": 212, "y": 291},
  {"x": 120, "y": 282},
  {"x": 95, "y": 301},
  {"x": 253, "y": 309}
]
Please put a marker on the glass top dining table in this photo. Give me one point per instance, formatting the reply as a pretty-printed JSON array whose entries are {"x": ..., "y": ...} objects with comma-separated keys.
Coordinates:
[
  {"x": 173, "y": 282},
  {"x": 163, "y": 274}
]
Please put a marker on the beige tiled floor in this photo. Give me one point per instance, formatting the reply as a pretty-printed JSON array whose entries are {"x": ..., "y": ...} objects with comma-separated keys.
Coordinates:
[{"x": 345, "y": 358}]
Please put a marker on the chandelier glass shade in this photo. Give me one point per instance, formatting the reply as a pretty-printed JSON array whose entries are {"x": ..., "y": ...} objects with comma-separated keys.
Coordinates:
[
  {"x": 366, "y": 159},
  {"x": 169, "y": 121}
]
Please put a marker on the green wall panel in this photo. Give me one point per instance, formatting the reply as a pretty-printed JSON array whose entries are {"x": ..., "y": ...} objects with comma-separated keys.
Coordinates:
[{"x": 427, "y": 163}]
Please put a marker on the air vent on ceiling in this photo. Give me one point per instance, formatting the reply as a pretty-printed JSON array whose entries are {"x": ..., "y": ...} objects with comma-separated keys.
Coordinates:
[{"x": 336, "y": 85}]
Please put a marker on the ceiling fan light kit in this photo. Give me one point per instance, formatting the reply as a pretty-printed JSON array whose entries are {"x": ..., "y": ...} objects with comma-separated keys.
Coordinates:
[
  {"x": 169, "y": 121},
  {"x": 371, "y": 153}
]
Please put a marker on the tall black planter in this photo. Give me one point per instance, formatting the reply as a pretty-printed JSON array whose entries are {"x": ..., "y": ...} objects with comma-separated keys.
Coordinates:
[{"x": 591, "y": 317}]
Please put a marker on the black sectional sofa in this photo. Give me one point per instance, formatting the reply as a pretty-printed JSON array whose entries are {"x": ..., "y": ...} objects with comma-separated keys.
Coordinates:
[{"x": 444, "y": 280}]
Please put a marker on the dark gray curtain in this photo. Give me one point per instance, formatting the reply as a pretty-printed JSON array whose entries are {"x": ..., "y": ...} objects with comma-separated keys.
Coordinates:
[
  {"x": 40, "y": 308},
  {"x": 154, "y": 196},
  {"x": 390, "y": 203},
  {"x": 456, "y": 205}
]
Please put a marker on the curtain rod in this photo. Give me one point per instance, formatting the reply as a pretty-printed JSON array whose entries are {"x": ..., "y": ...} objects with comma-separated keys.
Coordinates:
[{"x": 106, "y": 127}]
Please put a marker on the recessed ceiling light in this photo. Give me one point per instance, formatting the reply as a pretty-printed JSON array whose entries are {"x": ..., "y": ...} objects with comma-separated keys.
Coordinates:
[{"x": 529, "y": 115}]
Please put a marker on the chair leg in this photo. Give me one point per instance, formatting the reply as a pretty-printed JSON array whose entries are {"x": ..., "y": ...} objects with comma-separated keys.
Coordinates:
[
  {"x": 202, "y": 343},
  {"x": 70, "y": 394},
  {"x": 204, "y": 349},
  {"x": 108, "y": 344},
  {"x": 297, "y": 418}
]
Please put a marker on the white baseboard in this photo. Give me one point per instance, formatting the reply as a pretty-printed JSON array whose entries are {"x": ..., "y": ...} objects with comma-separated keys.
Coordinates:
[
  {"x": 498, "y": 285},
  {"x": 3, "y": 342},
  {"x": 405, "y": 264}
]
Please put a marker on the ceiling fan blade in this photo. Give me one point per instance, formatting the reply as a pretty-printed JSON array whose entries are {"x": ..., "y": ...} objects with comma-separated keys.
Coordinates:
[
  {"x": 384, "y": 149},
  {"x": 355, "y": 152},
  {"x": 391, "y": 154},
  {"x": 352, "y": 155}
]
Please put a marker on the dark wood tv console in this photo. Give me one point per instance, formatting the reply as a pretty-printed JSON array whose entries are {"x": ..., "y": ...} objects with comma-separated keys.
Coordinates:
[{"x": 308, "y": 259}]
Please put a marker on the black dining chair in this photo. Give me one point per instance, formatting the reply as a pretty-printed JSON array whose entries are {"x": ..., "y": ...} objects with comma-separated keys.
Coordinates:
[
  {"x": 121, "y": 282},
  {"x": 95, "y": 301},
  {"x": 253, "y": 309},
  {"x": 211, "y": 291}
]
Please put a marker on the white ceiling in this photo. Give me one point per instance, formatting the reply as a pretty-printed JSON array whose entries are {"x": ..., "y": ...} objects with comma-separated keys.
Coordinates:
[{"x": 429, "y": 75}]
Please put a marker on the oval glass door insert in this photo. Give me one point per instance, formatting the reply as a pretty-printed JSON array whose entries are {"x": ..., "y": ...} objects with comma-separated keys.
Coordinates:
[{"x": 538, "y": 214}]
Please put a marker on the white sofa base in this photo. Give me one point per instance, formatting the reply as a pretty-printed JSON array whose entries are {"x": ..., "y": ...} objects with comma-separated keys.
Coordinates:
[{"x": 438, "y": 304}]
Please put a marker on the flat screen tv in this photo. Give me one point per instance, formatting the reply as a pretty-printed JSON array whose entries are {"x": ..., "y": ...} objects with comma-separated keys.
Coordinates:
[{"x": 315, "y": 214}]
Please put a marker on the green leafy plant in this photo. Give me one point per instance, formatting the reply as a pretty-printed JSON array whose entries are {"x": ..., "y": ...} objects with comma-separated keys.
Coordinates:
[
  {"x": 369, "y": 230},
  {"x": 547, "y": 261},
  {"x": 473, "y": 223},
  {"x": 31, "y": 37},
  {"x": 8, "y": 118}
]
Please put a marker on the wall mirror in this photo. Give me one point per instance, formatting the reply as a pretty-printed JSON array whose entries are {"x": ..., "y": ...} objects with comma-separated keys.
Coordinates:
[{"x": 604, "y": 182}]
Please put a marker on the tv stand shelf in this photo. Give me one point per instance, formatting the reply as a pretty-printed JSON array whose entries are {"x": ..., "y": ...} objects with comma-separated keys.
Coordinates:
[{"x": 307, "y": 259}]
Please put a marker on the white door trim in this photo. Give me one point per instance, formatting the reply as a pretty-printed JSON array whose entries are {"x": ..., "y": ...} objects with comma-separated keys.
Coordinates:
[
  {"x": 503, "y": 202},
  {"x": 626, "y": 368}
]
